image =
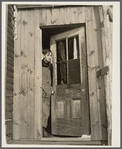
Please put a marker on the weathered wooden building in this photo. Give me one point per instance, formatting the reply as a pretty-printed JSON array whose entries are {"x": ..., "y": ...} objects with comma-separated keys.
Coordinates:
[{"x": 81, "y": 106}]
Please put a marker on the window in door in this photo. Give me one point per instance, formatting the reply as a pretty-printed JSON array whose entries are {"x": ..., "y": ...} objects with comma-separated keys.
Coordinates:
[{"x": 68, "y": 62}]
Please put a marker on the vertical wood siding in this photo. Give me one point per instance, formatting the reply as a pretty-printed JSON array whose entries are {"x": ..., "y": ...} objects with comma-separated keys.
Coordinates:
[
  {"x": 9, "y": 74},
  {"x": 27, "y": 76},
  {"x": 96, "y": 85},
  {"x": 107, "y": 59},
  {"x": 61, "y": 16}
]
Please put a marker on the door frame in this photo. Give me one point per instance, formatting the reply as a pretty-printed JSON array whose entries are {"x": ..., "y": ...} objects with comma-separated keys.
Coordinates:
[{"x": 40, "y": 109}]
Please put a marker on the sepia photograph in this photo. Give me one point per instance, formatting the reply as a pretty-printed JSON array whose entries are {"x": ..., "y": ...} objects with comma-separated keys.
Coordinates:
[{"x": 57, "y": 63}]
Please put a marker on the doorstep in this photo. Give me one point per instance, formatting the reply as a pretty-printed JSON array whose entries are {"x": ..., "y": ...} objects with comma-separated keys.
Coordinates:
[{"x": 60, "y": 141}]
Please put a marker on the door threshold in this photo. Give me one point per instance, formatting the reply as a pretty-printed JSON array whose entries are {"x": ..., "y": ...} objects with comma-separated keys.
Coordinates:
[{"x": 55, "y": 138}]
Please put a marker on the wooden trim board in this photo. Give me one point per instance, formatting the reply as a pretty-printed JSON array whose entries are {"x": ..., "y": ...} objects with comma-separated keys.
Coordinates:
[{"x": 60, "y": 142}]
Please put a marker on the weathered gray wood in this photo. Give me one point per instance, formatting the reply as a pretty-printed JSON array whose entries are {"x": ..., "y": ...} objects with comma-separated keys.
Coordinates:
[
  {"x": 100, "y": 83},
  {"x": 16, "y": 103},
  {"x": 10, "y": 12},
  {"x": 10, "y": 30},
  {"x": 11, "y": 49},
  {"x": 63, "y": 15},
  {"x": 9, "y": 108},
  {"x": 8, "y": 115},
  {"x": 9, "y": 99},
  {"x": 11, "y": 36},
  {"x": 9, "y": 127},
  {"x": 9, "y": 93},
  {"x": 9, "y": 54},
  {"x": 9, "y": 86},
  {"x": 11, "y": 25},
  {"x": 10, "y": 41},
  {"x": 10, "y": 74},
  {"x": 10, "y": 67},
  {"x": 107, "y": 57},
  {"x": 9, "y": 80},
  {"x": 58, "y": 142},
  {"x": 28, "y": 47},
  {"x": 84, "y": 82},
  {"x": 62, "y": 122},
  {"x": 92, "y": 66},
  {"x": 38, "y": 78}
]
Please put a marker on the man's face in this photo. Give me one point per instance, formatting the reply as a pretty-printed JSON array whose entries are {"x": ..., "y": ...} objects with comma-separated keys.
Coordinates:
[{"x": 48, "y": 57}]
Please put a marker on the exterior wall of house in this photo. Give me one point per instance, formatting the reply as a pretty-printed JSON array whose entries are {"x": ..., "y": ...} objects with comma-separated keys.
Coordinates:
[
  {"x": 27, "y": 67},
  {"x": 9, "y": 74},
  {"x": 107, "y": 41}
]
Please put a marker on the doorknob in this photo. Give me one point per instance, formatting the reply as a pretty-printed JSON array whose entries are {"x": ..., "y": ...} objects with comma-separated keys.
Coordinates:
[{"x": 53, "y": 92}]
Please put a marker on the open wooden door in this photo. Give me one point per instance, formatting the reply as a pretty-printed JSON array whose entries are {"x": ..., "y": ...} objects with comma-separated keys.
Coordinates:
[{"x": 69, "y": 104}]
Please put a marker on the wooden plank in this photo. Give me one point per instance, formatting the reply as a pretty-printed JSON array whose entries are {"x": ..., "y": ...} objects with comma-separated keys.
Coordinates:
[
  {"x": 10, "y": 7},
  {"x": 10, "y": 67},
  {"x": 107, "y": 47},
  {"x": 24, "y": 106},
  {"x": 38, "y": 78},
  {"x": 8, "y": 115},
  {"x": 100, "y": 83},
  {"x": 49, "y": 12},
  {"x": 11, "y": 40},
  {"x": 26, "y": 75},
  {"x": 11, "y": 26},
  {"x": 10, "y": 74},
  {"x": 44, "y": 16},
  {"x": 9, "y": 54},
  {"x": 9, "y": 80},
  {"x": 9, "y": 127},
  {"x": 109, "y": 12},
  {"x": 10, "y": 19},
  {"x": 6, "y": 22},
  {"x": 54, "y": 17},
  {"x": 11, "y": 36},
  {"x": 92, "y": 65},
  {"x": 9, "y": 86},
  {"x": 81, "y": 14},
  {"x": 67, "y": 10},
  {"x": 61, "y": 16},
  {"x": 16, "y": 100},
  {"x": 75, "y": 15},
  {"x": 11, "y": 49},
  {"x": 11, "y": 30},
  {"x": 57, "y": 142},
  {"x": 9, "y": 108},
  {"x": 10, "y": 61},
  {"x": 84, "y": 82},
  {"x": 10, "y": 12},
  {"x": 9, "y": 93},
  {"x": 9, "y": 100}
]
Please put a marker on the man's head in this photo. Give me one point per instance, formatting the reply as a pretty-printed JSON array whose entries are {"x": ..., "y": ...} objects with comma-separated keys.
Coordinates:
[{"x": 47, "y": 55}]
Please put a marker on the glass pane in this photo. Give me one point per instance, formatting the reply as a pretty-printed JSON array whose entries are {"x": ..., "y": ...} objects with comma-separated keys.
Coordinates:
[
  {"x": 70, "y": 47},
  {"x": 62, "y": 73},
  {"x": 77, "y": 47},
  {"x": 61, "y": 50},
  {"x": 73, "y": 48},
  {"x": 74, "y": 71}
]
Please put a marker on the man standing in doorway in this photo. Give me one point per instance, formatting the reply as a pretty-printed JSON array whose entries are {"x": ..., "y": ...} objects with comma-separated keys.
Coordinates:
[{"x": 47, "y": 83}]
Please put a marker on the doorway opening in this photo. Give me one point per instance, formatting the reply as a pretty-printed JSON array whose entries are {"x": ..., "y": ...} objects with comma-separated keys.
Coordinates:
[{"x": 66, "y": 82}]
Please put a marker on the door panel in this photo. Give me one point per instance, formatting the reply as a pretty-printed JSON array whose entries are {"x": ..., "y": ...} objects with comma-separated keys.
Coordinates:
[{"x": 70, "y": 101}]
